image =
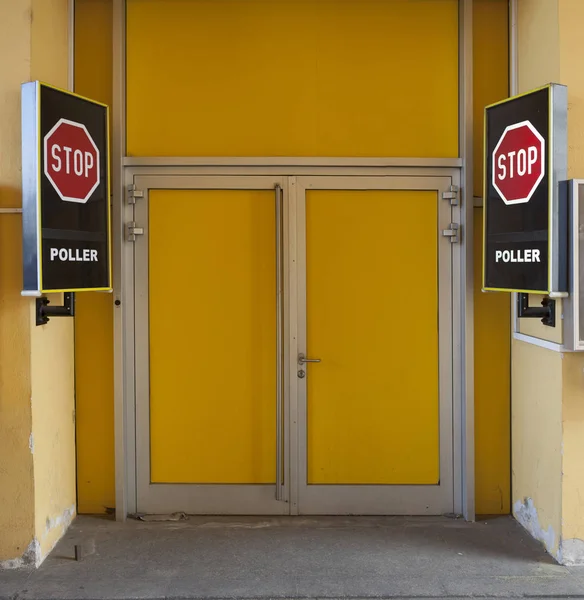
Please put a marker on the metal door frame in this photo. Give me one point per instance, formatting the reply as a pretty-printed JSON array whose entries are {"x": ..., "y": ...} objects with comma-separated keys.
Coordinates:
[
  {"x": 123, "y": 170},
  {"x": 193, "y": 177},
  {"x": 268, "y": 499},
  {"x": 372, "y": 499}
]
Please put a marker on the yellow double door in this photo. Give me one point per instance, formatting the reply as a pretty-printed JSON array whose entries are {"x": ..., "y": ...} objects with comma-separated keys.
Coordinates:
[{"x": 293, "y": 345}]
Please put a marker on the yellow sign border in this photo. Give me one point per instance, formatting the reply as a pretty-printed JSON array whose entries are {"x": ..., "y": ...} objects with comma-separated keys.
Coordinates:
[
  {"x": 39, "y": 85},
  {"x": 549, "y": 88}
]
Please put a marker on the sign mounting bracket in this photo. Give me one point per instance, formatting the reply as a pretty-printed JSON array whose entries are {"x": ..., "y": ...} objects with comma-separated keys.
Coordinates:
[
  {"x": 44, "y": 311},
  {"x": 547, "y": 312}
]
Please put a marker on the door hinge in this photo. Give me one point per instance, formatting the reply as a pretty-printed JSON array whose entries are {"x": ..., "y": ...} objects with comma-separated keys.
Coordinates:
[
  {"x": 132, "y": 193},
  {"x": 133, "y": 231},
  {"x": 452, "y": 195},
  {"x": 452, "y": 232}
]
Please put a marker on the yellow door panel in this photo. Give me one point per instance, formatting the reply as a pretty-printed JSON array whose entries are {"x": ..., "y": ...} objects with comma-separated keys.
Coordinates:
[
  {"x": 212, "y": 336},
  {"x": 372, "y": 297},
  {"x": 292, "y": 78}
]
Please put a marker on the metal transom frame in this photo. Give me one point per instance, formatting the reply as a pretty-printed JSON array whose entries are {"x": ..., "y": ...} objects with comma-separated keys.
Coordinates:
[{"x": 291, "y": 493}]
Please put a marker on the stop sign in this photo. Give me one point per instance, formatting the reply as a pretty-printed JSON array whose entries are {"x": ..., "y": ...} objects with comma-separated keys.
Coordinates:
[
  {"x": 518, "y": 163},
  {"x": 71, "y": 161}
]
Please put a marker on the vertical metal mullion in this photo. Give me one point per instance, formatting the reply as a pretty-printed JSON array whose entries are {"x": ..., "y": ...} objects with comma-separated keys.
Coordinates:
[
  {"x": 464, "y": 288},
  {"x": 123, "y": 257},
  {"x": 279, "y": 345}
]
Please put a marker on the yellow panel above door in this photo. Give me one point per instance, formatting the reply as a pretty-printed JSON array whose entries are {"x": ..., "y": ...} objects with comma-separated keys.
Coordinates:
[
  {"x": 372, "y": 317},
  {"x": 212, "y": 336},
  {"x": 292, "y": 78}
]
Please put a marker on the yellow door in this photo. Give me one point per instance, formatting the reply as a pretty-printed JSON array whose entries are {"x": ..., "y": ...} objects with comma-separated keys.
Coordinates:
[
  {"x": 377, "y": 432},
  {"x": 240, "y": 282},
  {"x": 207, "y": 393}
]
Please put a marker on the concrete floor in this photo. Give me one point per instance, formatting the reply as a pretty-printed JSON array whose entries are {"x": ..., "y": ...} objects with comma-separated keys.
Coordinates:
[{"x": 296, "y": 557}]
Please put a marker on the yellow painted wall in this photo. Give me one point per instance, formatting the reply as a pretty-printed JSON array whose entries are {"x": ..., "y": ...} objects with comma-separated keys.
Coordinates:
[
  {"x": 16, "y": 462},
  {"x": 289, "y": 78},
  {"x": 53, "y": 428},
  {"x": 94, "y": 316},
  {"x": 571, "y": 17},
  {"x": 536, "y": 372},
  {"x": 573, "y": 449},
  {"x": 548, "y": 387},
  {"x": 37, "y": 475},
  {"x": 492, "y": 311},
  {"x": 538, "y": 53},
  {"x": 52, "y": 360},
  {"x": 548, "y": 421},
  {"x": 537, "y": 441},
  {"x": 538, "y": 50}
]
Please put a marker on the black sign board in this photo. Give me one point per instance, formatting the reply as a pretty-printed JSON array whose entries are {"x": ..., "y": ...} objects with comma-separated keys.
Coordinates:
[
  {"x": 66, "y": 192},
  {"x": 525, "y": 215}
]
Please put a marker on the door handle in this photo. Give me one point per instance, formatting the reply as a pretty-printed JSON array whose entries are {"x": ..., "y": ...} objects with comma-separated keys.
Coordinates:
[{"x": 302, "y": 359}]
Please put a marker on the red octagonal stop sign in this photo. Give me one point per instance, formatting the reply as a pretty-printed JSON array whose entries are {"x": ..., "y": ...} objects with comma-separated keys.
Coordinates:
[
  {"x": 518, "y": 163},
  {"x": 71, "y": 161}
]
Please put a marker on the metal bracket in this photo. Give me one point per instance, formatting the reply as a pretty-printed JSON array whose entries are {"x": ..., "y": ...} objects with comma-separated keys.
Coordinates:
[
  {"x": 452, "y": 232},
  {"x": 44, "y": 311},
  {"x": 133, "y": 231},
  {"x": 452, "y": 195},
  {"x": 132, "y": 193},
  {"x": 547, "y": 313}
]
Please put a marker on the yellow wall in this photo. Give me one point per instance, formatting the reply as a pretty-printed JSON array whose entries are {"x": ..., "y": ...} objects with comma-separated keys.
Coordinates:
[
  {"x": 537, "y": 372},
  {"x": 537, "y": 441},
  {"x": 571, "y": 17},
  {"x": 289, "y": 78},
  {"x": 538, "y": 47},
  {"x": 491, "y": 70},
  {"x": 492, "y": 311},
  {"x": 573, "y": 453},
  {"x": 548, "y": 419},
  {"x": 37, "y": 474},
  {"x": 53, "y": 429},
  {"x": 16, "y": 462},
  {"x": 53, "y": 398},
  {"x": 538, "y": 51},
  {"x": 94, "y": 318}
]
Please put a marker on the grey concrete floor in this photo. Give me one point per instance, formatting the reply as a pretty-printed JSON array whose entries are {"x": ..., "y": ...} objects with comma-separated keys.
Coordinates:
[{"x": 296, "y": 557}]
